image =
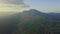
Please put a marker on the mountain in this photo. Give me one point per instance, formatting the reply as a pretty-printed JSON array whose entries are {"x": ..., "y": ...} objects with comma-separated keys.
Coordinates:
[
  {"x": 29, "y": 22},
  {"x": 32, "y": 22},
  {"x": 32, "y": 13},
  {"x": 35, "y": 22}
]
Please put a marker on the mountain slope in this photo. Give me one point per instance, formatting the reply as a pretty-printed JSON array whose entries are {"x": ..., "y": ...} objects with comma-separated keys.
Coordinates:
[{"x": 32, "y": 22}]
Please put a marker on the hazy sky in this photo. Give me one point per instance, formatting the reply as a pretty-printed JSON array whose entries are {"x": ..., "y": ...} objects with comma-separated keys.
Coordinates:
[
  {"x": 44, "y": 5},
  {"x": 11, "y": 5}
]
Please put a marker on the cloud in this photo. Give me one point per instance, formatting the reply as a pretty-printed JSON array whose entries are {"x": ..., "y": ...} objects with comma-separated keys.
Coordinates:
[
  {"x": 11, "y": 5},
  {"x": 12, "y": 1}
]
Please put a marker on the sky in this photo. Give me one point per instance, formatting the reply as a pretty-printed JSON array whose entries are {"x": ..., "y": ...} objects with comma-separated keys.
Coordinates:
[
  {"x": 41, "y": 5},
  {"x": 11, "y": 5},
  {"x": 44, "y": 5}
]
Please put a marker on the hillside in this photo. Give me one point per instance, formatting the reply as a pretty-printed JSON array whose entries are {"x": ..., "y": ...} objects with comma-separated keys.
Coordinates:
[{"x": 30, "y": 22}]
